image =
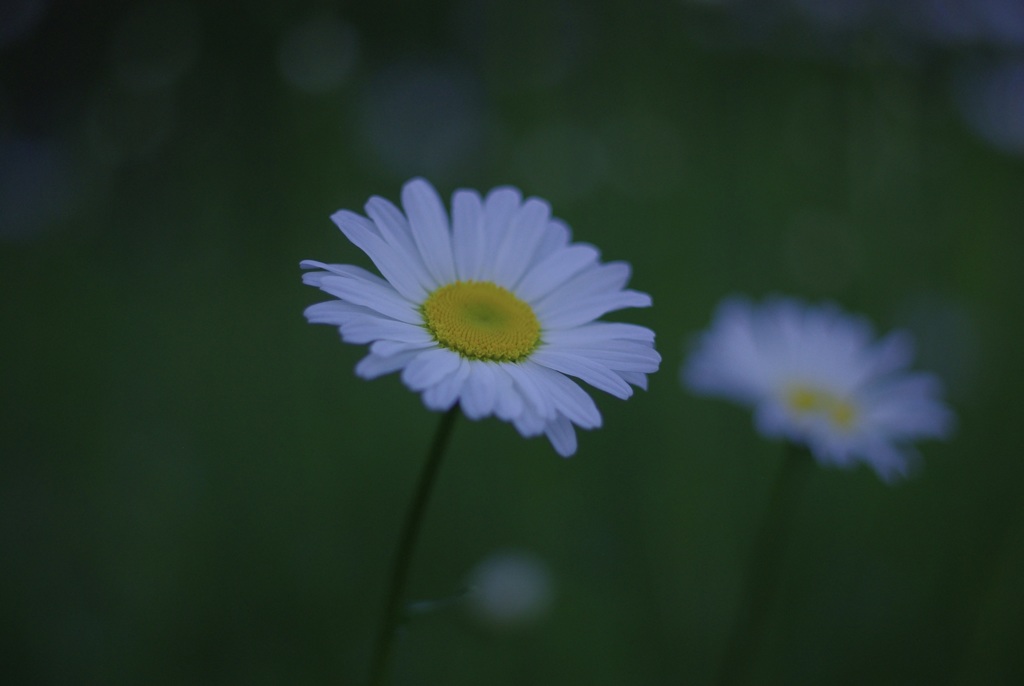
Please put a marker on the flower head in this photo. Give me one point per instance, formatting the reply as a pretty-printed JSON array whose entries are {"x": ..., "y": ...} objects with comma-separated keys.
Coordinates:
[
  {"x": 493, "y": 308},
  {"x": 814, "y": 375}
]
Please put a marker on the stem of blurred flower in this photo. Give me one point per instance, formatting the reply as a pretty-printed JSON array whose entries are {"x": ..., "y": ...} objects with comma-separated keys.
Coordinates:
[
  {"x": 762, "y": 572},
  {"x": 394, "y": 613}
]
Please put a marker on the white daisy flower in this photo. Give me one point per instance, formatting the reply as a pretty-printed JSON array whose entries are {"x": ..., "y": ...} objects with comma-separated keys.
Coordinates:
[
  {"x": 814, "y": 375},
  {"x": 494, "y": 309}
]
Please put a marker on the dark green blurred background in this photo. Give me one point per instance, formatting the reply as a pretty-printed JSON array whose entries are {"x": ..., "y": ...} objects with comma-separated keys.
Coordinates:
[{"x": 196, "y": 489}]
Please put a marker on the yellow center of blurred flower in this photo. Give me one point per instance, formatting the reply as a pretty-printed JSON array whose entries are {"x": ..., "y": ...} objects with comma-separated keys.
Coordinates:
[
  {"x": 482, "y": 321},
  {"x": 807, "y": 400}
]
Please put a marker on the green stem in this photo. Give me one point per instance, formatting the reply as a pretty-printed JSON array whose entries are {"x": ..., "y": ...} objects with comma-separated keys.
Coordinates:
[
  {"x": 762, "y": 572},
  {"x": 393, "y": 613}
]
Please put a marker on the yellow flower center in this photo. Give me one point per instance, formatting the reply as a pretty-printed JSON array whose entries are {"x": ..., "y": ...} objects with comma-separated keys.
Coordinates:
[
  {"x": 482, "y": 321},
  {"x": 807, "y": 400}
]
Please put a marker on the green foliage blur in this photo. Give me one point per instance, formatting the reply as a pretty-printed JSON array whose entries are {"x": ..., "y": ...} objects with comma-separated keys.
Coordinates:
[{"x": 196, "y": 489}]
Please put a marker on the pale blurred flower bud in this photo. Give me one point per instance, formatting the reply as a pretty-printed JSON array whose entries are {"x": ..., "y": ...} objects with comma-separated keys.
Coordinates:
[{"x": 510, "y": 589}]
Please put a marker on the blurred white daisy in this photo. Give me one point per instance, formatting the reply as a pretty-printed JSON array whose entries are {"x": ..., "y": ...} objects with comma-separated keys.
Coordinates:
[
  {"x": 814, "y": 375},
  {"x": 491, "y": 309}
]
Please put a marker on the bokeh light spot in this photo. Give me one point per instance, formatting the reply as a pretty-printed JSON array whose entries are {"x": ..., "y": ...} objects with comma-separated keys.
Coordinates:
[
  {"x": 510, "y": 589},
  {"x": 36, "y": 186}
]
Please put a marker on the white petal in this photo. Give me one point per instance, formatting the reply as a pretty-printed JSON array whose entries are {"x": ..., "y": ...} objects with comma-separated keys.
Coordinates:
[
  {"x": 774, "y": 421},
  {"x": 430, "y": 230},
  {"x": 536, "y": 400},
  {"x": 395, "y": 267},
  {"x": 731, "y": 359},
  {"x": 632, "y": 349},
  {"x": 509, "y": 403},
  {"x": 367, "y": 330},
  {"x": 372, "y": 366},
  {"x": 518, "y": 245},
  {"x": 827, "y": 450},
  {"x": 556, "y": 237},
  {"x": 597, "y": 280},
  {"x": 637, "y": 379},
  {"x": 340, "y": 312},
  {"x": 890, "y": 462},
  {"x": 892, "y": 353},
  {"x": 569, "y": 399},
  {"x": 908, "y": 406},
  {"x": 428, "y": 368},
  {"x": 585, "y": 310},
  {"x": 379, "y": 298},
  {"x": 528, "y": 423},
  {"x": 553, "y": 269},
  {"x": 597, "y": 333},
  {"x": 315, "y": 278},
  {"x": 469, "y": 241},
  {"x": 499, "y": 208},
  {"x": 335, "y": 312},
  {"x": 480, "y": 392},
  {"x": 595, "y": 374},
  {"x": 645, "y": 360},
  {"x": 562, "y": 436},
  {"x": 389, "y": 348},
  {"x": 395, "y": 229},
  {"x": 442, "y": 395}
]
